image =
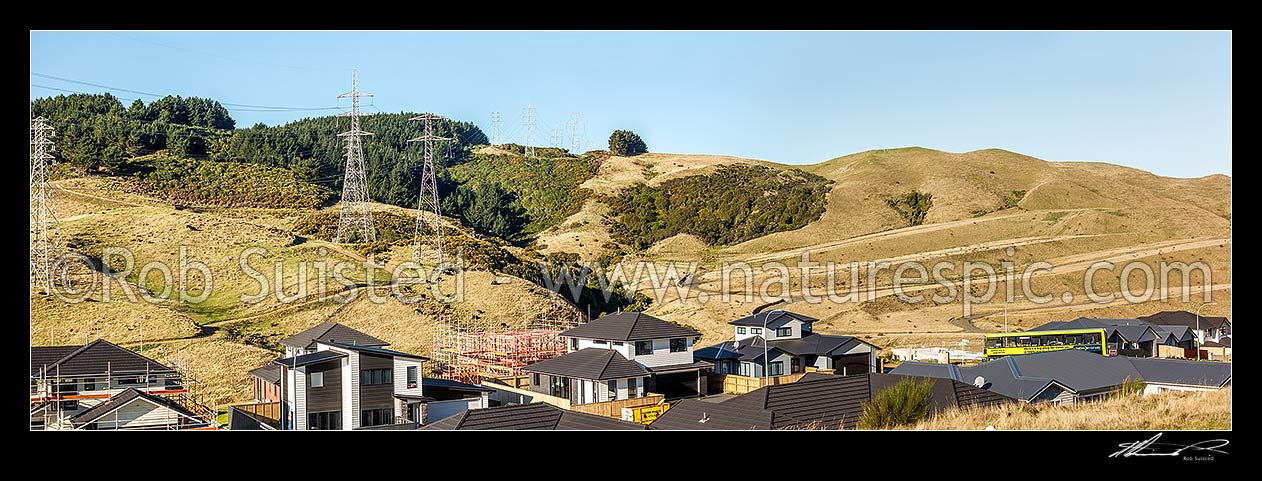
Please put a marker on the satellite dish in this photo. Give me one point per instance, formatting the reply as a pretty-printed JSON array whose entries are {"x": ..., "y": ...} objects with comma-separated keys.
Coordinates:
[{"x": 979, "y": 382}]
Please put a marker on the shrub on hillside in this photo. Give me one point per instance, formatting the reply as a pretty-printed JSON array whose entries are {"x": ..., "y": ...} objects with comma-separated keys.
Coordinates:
[
  {"x": 912, "y": 206},
  {"x": 223, "y": 184},
  {"x": 903, "y": 404}
]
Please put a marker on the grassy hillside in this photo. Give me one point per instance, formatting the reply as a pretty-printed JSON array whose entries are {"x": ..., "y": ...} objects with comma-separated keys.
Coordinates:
[
  {"x": 1172, "y": 410},
  {"x": 202, "y": 183}
]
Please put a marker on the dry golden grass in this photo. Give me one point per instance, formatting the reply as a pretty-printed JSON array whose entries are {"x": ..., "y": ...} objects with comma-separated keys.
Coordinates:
[
  {"x": 1171, "y": 410},
  {"x": 56, "y": 322},
  {"x": 221, "y": 367}
]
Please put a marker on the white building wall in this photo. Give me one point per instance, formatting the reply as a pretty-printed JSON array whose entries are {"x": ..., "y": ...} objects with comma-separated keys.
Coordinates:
[
  {"x": 138, "y": 414},
  {"x": 1156, "y": 388},
  {"x": 661, "y": 354},
  {"x": 348, "y": 395},
  {"x": 298, "y": 381},
  {"x": 623, "y": 348},
  {"x": 439, "y": 410}
]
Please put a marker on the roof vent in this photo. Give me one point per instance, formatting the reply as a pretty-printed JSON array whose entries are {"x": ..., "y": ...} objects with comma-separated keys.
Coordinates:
[{"x": 979, "y": 382}]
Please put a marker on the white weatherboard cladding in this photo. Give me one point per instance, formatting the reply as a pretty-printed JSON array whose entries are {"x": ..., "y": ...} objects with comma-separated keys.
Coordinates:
[
  {"x": 401, "y": 376},
  {"x": 299, "y": 382},
  {"x": 348, "y": 394},
  {"x": 661, "y": 354},
  {"x": 354, "y": 382}
]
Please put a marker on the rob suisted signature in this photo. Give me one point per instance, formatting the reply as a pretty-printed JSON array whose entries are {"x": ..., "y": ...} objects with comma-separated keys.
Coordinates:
[{"x": 1151, "y": 447}]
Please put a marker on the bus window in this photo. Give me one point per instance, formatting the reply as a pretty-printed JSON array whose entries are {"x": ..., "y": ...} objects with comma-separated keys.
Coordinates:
[{"x": 994, "y": 342}]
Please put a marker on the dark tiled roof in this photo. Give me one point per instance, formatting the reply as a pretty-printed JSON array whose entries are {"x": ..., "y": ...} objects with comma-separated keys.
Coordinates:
[
  {"x": 1078, "y": 370},
  {"x": 689, "y": 414},
  {"x": 1224, "y": 342},
  {"x": 269, "y": 373},
  {"x": 751, "y": 348},
  {"x": 1178, "y": 371},
  {"x": 93, "y": 358},
  {"x": 629, "y": 326},
  {"x": 239, "y": 420},
  {"x": 121, "y": 399},
  {"x": 530, "y": 416},
  {"x": 308, "y": 359},
  {"x": 591, "y": 363},
  {"x": 331, "y": 332},
  {"x": 377, "y": 350},
  {"x": 821, "y": 401},
  {"x": 1185, "y": 318},
  {"x": 1000, "y": 376},
  {"x": 929, "y": 369},
  {"x": 770, "y": 317},
  {"x": 429, "y": 383}
]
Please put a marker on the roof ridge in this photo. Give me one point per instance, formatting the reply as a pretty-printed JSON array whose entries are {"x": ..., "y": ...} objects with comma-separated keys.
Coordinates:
[
  {"x": 609, "y": 361},
  {"x": 76, "y": 352}
]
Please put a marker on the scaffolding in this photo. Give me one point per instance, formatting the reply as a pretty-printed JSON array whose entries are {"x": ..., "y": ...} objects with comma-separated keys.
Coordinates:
[
  {"x": 468, "y": 351},
  {"x": 50, "y": 389}
]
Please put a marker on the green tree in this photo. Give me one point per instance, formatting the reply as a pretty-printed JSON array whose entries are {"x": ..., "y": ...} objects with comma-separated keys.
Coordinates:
[
  {"x": 905, "y": 403},
  {"x": 626, "y": 143}
]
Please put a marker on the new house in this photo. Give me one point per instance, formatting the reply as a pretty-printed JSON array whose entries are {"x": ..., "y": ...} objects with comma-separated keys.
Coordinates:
[
  {"x": 1130, "y": 337},
  {"x": 1071, "y": 375},
  {"x": 817, "y": 401},
  {"x": 622, "y": 356},
  {"x": 1206, "y": 328},
  {"x": 534, "y": 416},
  {"x": 100, "y": 385},
  {"x": 335, "y": 377},
  {"x": 776, "y": 343}
]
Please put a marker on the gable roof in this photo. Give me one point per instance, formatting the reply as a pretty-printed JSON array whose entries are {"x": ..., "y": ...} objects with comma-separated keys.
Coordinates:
[
  {"x": 928, "y": 369},
  {"x": 821, "y": 401},
  {"x": 770, "y": 317},
  {"x": 96, "y": 357},
  {"x": 331, "y": 332},
  {"x": 629, "y": 326},
  {"x": 1179, "y": 371},
  {"x": 1185, "y": 318},
  {"x": 590, "y": 363},
  {"x": 531, "y": 416},
  {"x": 124, "y": 398},
  {"x": 376, "y": 350},
  {"x": 751, "y": 348}
]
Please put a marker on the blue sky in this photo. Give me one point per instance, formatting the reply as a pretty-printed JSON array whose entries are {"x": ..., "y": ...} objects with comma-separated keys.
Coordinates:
[{"x": 1159, "y": 101}]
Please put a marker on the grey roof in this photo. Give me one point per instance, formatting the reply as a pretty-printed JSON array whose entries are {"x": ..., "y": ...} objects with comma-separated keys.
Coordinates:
[
  {"x": 928, "y": 369},
  {"x": 1001, "y": 376},
  {"x": 269, "y": 372},
  {"x": 692, "y": 366},
  {"x": 769, "y": 317},
  {"x": 121, "y": 399},
  {"x": 377, "y": 350},
  {"x": 437, "y": 389},
  {"x": 239, "y": 420},
  {"x": 689, "y": 413},
  {"x": 751, "y": 348},
  {"x": 308, "y": 359},
  {"x": 1135, "y": 333},
  {"x": 1185, "y": 318},
  {"x": 530, "y": 416},
  {"x": 1178, "y": 371},
  {"x": 1133, "y": 330},
  {"x": 331, "y": 332},
  {"x": 1076, "y": 369},
  {"x": 1179, "y": 333},
  {"x": 821, "y": 401},
  {"x": 1224, "y": 342},
  {"x": 591, "y": 363},
  {"x": 629, "y": 326},
  {"x": 429, "y": 382},
  {"x": 93, "y": 358}
]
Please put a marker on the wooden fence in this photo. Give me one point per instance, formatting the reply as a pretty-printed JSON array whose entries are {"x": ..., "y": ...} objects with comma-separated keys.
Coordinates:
[
  {"x": 613, "y": 409},
  {"x": 269, "y": 410},
  {"x": 736, "y": 384}
]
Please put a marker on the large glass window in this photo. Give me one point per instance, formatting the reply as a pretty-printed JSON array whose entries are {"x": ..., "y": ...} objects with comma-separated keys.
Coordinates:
[
  {"x": 376, "y": 417},
  {"x": 613, "y": 389},
  {"x": 316, "y": 379},
  {"x": 784, "y": 332},
  {"x": 775, "y": 368},
  {"x": 679, "y": 345},
  {"x": 330, "y": 420},
  {"x": 633, "y": 389},
  {"x": 643, "y": 348},
  {"x": 368, "y": 377},
  {"x": 411, "y": 377}
]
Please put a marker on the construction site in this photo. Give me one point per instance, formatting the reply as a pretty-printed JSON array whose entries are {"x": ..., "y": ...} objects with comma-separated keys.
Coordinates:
[{"x": 469, "y": 351}]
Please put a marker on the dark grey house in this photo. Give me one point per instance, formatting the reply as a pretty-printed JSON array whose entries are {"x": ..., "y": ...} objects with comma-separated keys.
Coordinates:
[
  {"x": 817, "y": 401},
  {"x": 621, "y": 356},
  {"x": 1074, "y": 376},
  {"x": 783, "y": 342},
  {"x": 535, "y": 416},
  {"x": 1130, "y": 337},
  {"x": 1205, "y": 328}
]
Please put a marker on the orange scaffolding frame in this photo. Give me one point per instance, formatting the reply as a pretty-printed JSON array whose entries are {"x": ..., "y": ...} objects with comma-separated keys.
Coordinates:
[{"x": 468, "y": 351}]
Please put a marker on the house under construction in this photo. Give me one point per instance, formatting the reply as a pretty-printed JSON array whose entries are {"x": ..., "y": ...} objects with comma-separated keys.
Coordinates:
[{"x": 467, "y": 351}]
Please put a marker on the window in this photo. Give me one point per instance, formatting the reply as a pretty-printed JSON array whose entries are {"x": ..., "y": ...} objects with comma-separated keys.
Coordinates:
[
  {"x": 89, "y": 384},
  {"x": 632, "y": 388},
  {"x": 740, "y": 330},
  {"x": 369, "y": 377},
  {"x": 317, "y": 379},
  {"x": 643, "y": 348},
  {"x": 330, "y": 420},
  {"x": 755, "y": 330},
  {"x": 600, "y": 343},
  {"x": 746, "y": 369},
  {"x": 797, "y": 364},
  {"x": 534, "y": 379},
  {"x": 617, "y": 343},
  {"x": 70, "y": 405},
  {"x": 679, "y": 345},
  {"x": 784, "y": 332},
  {"x": 129, "y": 380},
  {"x": 411, "y": 377},
  {"x": 775, "y": 368},
  {"x": 376, "y": 417},
  {"x": 573, "y": 343},
  {"x": 613, "y": 389}
]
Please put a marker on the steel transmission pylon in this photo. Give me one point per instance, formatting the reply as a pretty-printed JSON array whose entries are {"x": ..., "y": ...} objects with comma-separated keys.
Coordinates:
[
  {"x": 575, "y": 138},
  {"x": 355, "y": 219},
  {"x": 43, "y": 219},
  {"x": 429, "y": 221},
  {"x": 495, "y": 124},
  {"x": 529, "y": 116}
]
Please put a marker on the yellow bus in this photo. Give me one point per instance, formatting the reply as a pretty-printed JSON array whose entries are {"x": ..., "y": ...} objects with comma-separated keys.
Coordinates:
[{"x": 1016, "y": 343}]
